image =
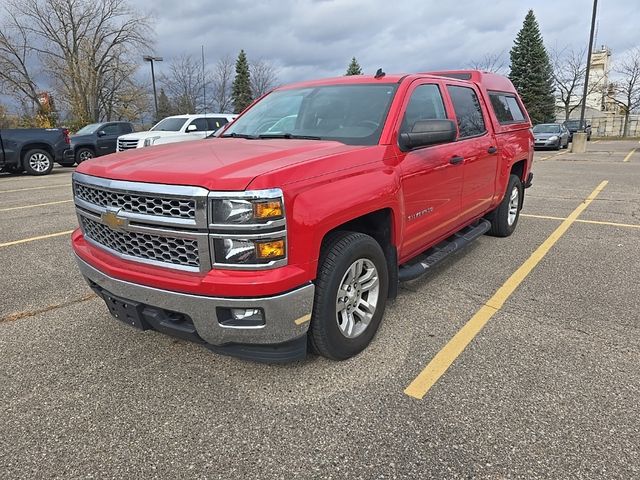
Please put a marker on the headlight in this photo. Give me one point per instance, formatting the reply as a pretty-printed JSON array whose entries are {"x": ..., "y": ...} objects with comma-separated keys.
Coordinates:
[
  {"x": 553, "y": 138},
  {"x": 257, "y": 207},
  {"x": 149, "y": 141},
  {"x": 248, "y": 229},
  {"x": 248, "y": 251}
]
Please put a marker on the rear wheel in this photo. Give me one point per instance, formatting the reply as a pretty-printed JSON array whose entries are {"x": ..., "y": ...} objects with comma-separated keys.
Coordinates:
[
  {"x": 84, "y": 154},
  {"x": 37, "y": 162},
  {"x": 505, "y": 218},
  {"x": 351, "y": 295}
]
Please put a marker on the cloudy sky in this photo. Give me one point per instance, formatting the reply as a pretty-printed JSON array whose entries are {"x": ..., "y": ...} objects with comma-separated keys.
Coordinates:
[{"x": 317, "y": 38}]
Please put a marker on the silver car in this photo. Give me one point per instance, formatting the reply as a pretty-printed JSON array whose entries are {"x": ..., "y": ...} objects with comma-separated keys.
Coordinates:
[{"x": 551, "y": 135}]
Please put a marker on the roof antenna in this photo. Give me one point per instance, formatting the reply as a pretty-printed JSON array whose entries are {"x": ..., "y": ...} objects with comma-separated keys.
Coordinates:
[{"x": 379, "y": 74}]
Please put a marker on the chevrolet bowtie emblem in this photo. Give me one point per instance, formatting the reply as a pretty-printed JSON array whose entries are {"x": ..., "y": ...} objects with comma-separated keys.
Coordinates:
[{"x": 113, "y": 221}]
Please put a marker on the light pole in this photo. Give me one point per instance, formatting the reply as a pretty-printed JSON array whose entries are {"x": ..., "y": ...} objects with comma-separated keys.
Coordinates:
[
  {"x": 151, "y": 59},
  {"x": 579, "y": 143}
]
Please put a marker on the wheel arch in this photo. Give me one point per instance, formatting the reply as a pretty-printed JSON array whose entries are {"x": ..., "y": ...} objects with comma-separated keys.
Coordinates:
[
  {"x": 379, "y": 225},
  {"x": 36, "y": 145}
]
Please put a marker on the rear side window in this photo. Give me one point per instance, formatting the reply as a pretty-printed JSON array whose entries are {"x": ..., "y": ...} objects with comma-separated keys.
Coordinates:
[
  {"x": 425, "y": 104},
  {"x": 506, "y": 108},
  {"x": 468, "y": 111},
  {"x": 125, "y": 128},
  {"x": 215, "y": 123}
]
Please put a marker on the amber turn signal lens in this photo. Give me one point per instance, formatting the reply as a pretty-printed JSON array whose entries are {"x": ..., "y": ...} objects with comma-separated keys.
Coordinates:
[
  {"x": 270, "y": 209},
  {"x": 270, "y": 250}
]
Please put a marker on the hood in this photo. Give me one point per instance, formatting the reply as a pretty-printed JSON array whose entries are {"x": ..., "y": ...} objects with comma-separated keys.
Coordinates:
[
  {"x": 155, "y": 133},
  {"x": 75, "y": 139},
  {"x": 545, "y": 136},
  {"x": 215, "y": 164}
]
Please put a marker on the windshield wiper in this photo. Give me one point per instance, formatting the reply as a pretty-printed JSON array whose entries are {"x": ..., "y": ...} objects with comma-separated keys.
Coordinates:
[
  {"x": 289, "y": 136},
  {"x": 238, "y": 135}
]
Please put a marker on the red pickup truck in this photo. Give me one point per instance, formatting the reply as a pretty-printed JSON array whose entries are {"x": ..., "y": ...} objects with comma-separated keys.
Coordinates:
[{"x": 292, "y": 228}]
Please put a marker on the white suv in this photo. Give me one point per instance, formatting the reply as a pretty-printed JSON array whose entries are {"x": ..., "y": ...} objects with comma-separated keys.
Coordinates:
[{"x": 178, "y": 128}]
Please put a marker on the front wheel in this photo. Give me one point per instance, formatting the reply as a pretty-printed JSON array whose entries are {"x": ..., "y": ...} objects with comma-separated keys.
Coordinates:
[
  {"x": 84, "y": 154},
  {"x": 38, "y": 162},
  {"x": 351, "y": 295},
  {"x": 505, "y": 218}
]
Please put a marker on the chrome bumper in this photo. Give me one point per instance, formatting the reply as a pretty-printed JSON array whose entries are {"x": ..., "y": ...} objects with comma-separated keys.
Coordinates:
[{"x": 286, "y": 316}]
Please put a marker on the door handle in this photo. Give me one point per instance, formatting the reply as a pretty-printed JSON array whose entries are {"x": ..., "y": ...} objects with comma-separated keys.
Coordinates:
[
  {"x": 456, "y": 160},
  {"x": 492, "y": 150}
]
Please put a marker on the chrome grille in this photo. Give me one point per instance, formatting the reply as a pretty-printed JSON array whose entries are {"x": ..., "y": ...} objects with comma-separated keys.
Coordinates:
[
  {"x": 127, "y": 144},
  {"x": 164, "y": 249},
  {"x": 136, "y": 203}
]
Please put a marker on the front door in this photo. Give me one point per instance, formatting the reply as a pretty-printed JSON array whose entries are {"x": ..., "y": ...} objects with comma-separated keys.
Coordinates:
[
  {"x": 431, "y": 176},
  {"x": 107, "y": 143}
]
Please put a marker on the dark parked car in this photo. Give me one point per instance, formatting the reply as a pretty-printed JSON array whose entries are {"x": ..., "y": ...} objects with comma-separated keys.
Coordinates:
[
  {"x": 551, "y": 135},
  {"x": 574, "y": 125},
  {"x": 34, "y": 150},
  {"x": 98, "y": 139}
]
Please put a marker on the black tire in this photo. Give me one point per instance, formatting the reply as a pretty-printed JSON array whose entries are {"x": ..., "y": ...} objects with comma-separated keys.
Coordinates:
[
  {"x": 37, "y": 162},
  {"x": 499, "y": 218},
  {"x": 340, "y": 252},
  {"x": 566, "y": 145},
  {"x": 83, "y": 154}
]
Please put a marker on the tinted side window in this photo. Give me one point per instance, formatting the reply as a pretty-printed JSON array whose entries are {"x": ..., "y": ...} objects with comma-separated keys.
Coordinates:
[
  {"x": 468, "y": 111},
  {"x": 215, "y": 123},
  {"x": 506, "y": 108},
  {"x": 125, "y": 128},
  {"x": 425, "y": 104},
  {"x": 111, "y": 129},
  {"x": 200, "y": 123}
]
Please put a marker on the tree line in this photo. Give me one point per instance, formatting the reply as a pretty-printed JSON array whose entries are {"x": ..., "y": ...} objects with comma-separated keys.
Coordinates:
[{"x": 87, "y": 55}]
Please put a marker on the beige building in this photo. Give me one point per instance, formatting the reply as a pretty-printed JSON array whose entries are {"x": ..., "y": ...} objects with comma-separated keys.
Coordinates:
[{"x": 599, "y": 78}]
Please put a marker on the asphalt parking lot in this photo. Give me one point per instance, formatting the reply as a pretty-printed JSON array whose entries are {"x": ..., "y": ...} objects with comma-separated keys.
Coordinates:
[{"x": 549, "y": 388}]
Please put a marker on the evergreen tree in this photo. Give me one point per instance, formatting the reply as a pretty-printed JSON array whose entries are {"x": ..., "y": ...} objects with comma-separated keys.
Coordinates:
[
  {"x": 354, "y": 68},
  {"x": 241, "y": 89},
  {"x": 531, "y": 72},
  {"x": 165, "y": 109}
]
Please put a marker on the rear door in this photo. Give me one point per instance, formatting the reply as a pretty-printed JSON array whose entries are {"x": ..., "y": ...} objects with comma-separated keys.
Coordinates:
[
  {"x": 431, "y": 176},
  {"x": 477, "y": 145},
  {"x": 107, "y": 143}
]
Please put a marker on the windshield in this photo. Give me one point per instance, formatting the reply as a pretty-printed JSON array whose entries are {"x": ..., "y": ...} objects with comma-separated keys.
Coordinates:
[
  {"x": 170, "y": 124},
  {"x": 87, "y": 129},
  {"x": 546, "y": 128},
  {"x": 352, "y": 114}
]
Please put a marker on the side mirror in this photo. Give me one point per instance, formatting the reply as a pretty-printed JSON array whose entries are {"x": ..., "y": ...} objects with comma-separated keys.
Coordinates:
[
  {"x": 101, "y": 133},
  {"x": 191, "y": 128},
  {"x": 428, "y": 132}
]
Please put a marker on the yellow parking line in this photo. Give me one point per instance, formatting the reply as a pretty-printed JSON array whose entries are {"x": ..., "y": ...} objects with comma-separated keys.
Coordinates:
[
  {"x": 35, "y": 188},
  {"x": 595, "y": 222},
  {"x": 595, "y": 141},
  {"x": 34, "y": 205},
  {"x": 33, "y": 239},
  {"x": 629, "y": 155},
  {"x": 445, "y": 357},
  {"x": 554, "y": 155}
]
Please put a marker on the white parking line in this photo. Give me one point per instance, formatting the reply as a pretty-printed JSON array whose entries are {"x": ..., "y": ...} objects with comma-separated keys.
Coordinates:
[{"x": 34, "y": 205}]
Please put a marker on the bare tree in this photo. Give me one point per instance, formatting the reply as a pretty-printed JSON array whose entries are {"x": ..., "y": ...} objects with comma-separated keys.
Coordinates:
[
  {"x": 15, "y": 54},
  {"x": 569, "y": 68},
  {"x": 264, "y": 76},
  {"x": 491, "y": 62},
  {"x": 222, "y": 79},
  {"x": 184, "y": 84},
  {"x": 79, "y": 44},
  {"x": 626, "y": 90}
]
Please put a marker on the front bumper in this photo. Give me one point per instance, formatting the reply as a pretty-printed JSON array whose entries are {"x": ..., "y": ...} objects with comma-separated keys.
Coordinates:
[
  {"x": 547, "y": 143},
  {"x": 286, "y": 315}
]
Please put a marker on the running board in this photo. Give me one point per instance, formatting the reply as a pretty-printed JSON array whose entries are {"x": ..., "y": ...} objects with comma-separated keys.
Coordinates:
[{"x": 430, "y": 258}]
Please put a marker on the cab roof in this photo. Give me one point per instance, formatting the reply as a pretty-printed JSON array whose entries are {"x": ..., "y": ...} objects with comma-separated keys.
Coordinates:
[{"x": 490, "y": 81}]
